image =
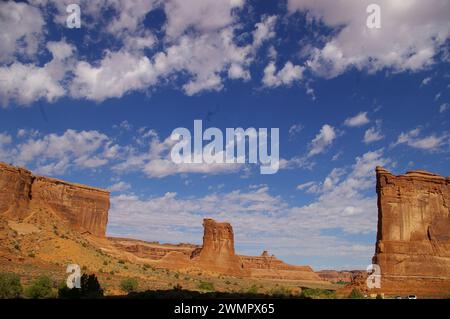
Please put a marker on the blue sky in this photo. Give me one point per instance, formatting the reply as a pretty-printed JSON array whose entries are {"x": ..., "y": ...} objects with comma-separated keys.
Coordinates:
[{"x": 96, "y": 105}]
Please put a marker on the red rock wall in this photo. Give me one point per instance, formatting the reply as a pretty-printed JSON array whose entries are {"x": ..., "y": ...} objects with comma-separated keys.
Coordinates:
[
  {"x": 15, "y": 189},
  {"x": 84, "y": 208},
  {"x": 413, "y": 239}
]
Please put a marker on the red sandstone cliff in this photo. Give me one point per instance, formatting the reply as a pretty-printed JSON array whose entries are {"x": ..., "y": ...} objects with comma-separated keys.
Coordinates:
[
  {"x": 84, "y": 208},
  {"x": 413, "y": 240}
]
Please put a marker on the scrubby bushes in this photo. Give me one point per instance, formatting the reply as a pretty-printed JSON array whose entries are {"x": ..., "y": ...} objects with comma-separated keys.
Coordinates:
[
  {"x": 40, "y": 288},
  {"x": 316, "y": 293},
  {"x": 355, "y": 294},
  {"x": 10, "y": 286},
  {"x": 129, "y": 285},
  {"x": 253, "y": 290},
  {"x": 280, "y": 292},
  {"x": 45, "y": 287},
  {"x": 204, "y": 285}
]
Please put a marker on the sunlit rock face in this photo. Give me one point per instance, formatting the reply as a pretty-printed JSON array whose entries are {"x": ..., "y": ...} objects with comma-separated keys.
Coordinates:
[
  {"x": 413, "y": 239},
  {"x": 217, "y": 253},
  {"x": 84, "y": 208}
]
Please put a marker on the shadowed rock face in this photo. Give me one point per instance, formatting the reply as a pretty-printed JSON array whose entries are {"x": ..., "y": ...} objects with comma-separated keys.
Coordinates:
[
  {"x": 84, "y": 208},
  {"x": 413, "y": 240}
]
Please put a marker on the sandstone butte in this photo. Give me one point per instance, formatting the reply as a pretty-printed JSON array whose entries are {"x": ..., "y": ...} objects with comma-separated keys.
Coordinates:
[
  {"x": 85, "y": 210},
  {"x": 413, "y": 237}
]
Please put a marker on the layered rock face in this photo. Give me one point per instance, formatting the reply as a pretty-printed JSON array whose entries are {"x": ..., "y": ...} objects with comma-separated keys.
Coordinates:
[
  {"x": 15, "y": 190},
  {"x": 336, "y": 276},
  {"x": 84, "y": 208},
  {"x": 217, "y": 252},
  {"x": 270, "y": 267},
  {"x": 413, "y": 239}
]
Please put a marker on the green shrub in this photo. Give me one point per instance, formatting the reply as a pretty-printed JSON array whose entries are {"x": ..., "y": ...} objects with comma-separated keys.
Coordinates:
[
  {"x": 129, "y": 285},
  {"x": 316, "y": 293},
  {"x": 253, "y": 290},
  {"x": 355, "y": 294},
  {"x": 204, "y": 285},
  {"x": 10, "y": 286},
  {"x": 40, "y": 288},
  {"x": 280, "y": 291}
]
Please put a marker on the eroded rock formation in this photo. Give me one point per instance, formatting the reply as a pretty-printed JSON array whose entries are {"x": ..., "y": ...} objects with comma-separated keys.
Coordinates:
[
  {"x": 338, "y": 276},
  {"x": 84, "y": 208},
  {"x": 217, "y": 253},
  {"x": 413, "y": 239},
  {"x": 270, "y": 267}
]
